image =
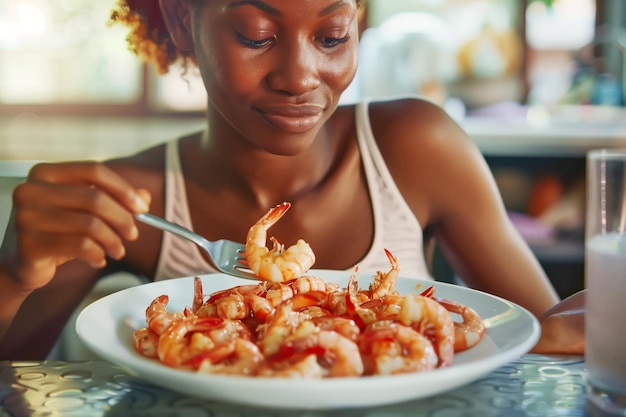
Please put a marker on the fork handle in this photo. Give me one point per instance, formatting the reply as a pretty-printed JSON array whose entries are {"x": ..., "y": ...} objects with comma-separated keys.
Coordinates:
[{"x": 162, "y": 224}]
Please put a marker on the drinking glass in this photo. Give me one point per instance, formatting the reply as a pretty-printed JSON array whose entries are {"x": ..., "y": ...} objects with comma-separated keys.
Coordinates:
[{"x": 605, "y": 279}]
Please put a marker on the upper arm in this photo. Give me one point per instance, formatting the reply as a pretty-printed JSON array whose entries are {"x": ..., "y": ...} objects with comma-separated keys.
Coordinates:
[
  {"x": 437, "y": 167},
  {"x": 447, "y": 183}
]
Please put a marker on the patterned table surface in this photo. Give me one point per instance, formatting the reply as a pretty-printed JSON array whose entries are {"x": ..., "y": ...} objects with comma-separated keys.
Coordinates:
[{"x": 535, "y": 385}]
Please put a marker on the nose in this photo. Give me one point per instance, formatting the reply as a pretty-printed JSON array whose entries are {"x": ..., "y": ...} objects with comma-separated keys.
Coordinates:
[{"x": 296, "y": 70}]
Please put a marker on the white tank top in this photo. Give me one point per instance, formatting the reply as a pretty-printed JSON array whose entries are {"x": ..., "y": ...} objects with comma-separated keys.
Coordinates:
[{"x": 395, "y": 226}]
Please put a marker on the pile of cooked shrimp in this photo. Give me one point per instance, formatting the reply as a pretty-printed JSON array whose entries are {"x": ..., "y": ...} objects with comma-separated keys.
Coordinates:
[{"x": 305, "y": 327}]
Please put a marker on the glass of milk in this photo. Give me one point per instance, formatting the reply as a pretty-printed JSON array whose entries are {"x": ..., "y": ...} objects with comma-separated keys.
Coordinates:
[{"x": 605, "y": 279}]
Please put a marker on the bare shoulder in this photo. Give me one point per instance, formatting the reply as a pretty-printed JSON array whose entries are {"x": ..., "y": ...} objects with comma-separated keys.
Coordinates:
[
  {"x": 414, "y": 126},
  {"x": 144, "y": 169},
  {"x": 427, "y": 153},
  {"x": 139, "y": 167}
]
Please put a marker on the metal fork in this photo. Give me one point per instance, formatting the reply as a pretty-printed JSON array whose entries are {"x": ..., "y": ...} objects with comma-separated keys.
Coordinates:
[{"x": 225, "y": 255}]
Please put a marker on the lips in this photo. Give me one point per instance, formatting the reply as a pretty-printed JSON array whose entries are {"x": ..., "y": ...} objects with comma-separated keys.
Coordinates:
[{"x": 292, "y": 118}]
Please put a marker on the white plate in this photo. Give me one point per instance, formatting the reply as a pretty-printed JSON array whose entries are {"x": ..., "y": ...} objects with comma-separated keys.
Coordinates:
[{"x": 106, "y": 327}]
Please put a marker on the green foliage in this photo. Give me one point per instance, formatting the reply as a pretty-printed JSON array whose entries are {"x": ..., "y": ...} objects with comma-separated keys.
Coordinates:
[{"x": 548, "y": 3}]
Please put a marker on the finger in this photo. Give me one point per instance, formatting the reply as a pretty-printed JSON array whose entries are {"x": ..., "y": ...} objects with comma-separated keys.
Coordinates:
[
  {"x": 91, "y": 174},
  {"x": 37, "y": 248},
  {"x": 71, "y": 206},
  {"x": 145, "y": 196},
  {"x": 562, "y": 334},
  {"x": 60, "y": 222}
]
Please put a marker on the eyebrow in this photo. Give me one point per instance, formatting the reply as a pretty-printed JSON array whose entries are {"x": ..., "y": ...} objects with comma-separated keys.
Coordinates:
[{"x": 268, "y": 9}]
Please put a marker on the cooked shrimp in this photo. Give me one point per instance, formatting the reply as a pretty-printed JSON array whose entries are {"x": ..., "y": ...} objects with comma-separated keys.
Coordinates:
[
  {"x": 232, "y": 307},
  {"x": 229, "y": 331},
  {"x": 432, "y": 320},
  {"x": 158, "y": 317},
  {"x": 231, "y": 303},
  {"x": 175, "y": 346},
  {"x": 296, "y": 366},
  {"x": 198, "y": 295},
  {"x": 343, "y": 325},
  {"x": 304, "y": 327},
  {"x": 258, "y": 289},
  {"x": 429, "y": 292},
  {"x": 145, "y": 342},
  {"x": 386, "y": 308},
  {"x": 380, "y": 301},
  {"x": 282, "y": 323},
  {"x": 261, "y": 307},
  {"x": 315, "y": 311},
  {"x": 353, "y": 307},
  {"x": 277, "y": 264},
  {"x": 277, "y": 292},
  {"x": 309, "y": 283},
  {"x": 468, "y": 332},
  {"x": 355, "y": 302},
  {"x": 215, "y": 343},
  {"x": 337, "y": 355},
  {"x": 239, "y": 357},
  {"x": 384, "y": 283},
  {"x": 390, "y": 348}
]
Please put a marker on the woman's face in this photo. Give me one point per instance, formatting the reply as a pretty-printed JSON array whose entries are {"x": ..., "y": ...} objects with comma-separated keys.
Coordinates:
[{"x": 275, "y": 69}]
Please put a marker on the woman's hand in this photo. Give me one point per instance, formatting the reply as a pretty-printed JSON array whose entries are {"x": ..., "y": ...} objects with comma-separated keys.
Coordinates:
[
  {"x": 67, "y": 211},
  {"x": 563, "y": 327}
]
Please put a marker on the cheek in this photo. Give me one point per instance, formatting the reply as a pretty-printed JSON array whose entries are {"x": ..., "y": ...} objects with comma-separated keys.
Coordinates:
[
  {"x": 341, "y": 70},
  {"x": 225, "y": 73},
  {"x": 242, "y": 79}
]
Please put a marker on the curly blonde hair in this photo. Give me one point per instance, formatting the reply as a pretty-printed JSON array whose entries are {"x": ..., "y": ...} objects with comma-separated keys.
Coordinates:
[{"x": 149, "y": 37}]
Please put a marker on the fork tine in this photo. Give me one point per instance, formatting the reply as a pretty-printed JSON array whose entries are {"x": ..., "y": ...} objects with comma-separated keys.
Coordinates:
[
  {"x": 246, "y": 270},
  {"x": 235, "y": 262},
  {"x": 224, "y": 255}
]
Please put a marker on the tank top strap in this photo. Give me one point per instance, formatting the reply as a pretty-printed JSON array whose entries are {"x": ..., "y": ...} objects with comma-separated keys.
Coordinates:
[
  {"x": 396, "y": 227},
  {"x": 178, "y": 257}
]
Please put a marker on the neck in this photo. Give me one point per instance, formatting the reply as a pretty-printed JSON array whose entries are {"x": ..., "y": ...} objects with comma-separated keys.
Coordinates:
[{"x": 262, "y": 178}]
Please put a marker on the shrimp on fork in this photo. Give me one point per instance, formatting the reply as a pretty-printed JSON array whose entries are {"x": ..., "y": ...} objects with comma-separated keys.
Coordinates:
[{"x": 277, "y": 264}]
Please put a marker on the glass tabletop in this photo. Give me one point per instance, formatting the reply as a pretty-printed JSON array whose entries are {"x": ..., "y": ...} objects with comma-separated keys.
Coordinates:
[{"x": 534, "y": 385}]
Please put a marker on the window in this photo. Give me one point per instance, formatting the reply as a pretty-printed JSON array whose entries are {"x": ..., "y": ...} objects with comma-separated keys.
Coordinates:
[
  {"x": 63, "y": 52},
  {"x": 62, "y": 56},
  {"x": 490, "y": 51},
  {"x": 556, "y": 32},
  {"x": 467, "y": 50}
]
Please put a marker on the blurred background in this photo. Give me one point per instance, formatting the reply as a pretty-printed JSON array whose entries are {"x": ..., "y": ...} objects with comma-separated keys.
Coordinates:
[{"x": 536, "y": 83}]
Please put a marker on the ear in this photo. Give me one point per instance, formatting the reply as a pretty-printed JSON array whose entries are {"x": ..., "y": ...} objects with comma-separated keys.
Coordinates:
[{"x": 176, "y": 15}]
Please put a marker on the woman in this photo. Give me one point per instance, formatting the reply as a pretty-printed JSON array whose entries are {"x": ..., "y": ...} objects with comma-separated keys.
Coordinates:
[{"x": 359, "y": 178}]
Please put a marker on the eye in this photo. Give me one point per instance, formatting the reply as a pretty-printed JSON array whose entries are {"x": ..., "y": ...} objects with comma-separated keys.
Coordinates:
[
  {"x": 330, "y": 42},
  {"x": 254, "y": 44}
]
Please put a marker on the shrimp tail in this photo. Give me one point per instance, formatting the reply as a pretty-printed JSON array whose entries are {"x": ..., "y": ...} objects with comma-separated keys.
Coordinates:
[
  {"x": 269, "y": 219},
  {"x": 278, "y": 264},
  {"x": 468, "y": 332}
]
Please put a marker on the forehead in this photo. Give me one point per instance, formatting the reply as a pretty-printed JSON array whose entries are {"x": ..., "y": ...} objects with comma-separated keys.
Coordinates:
[{"x": 276, "y": 5}]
